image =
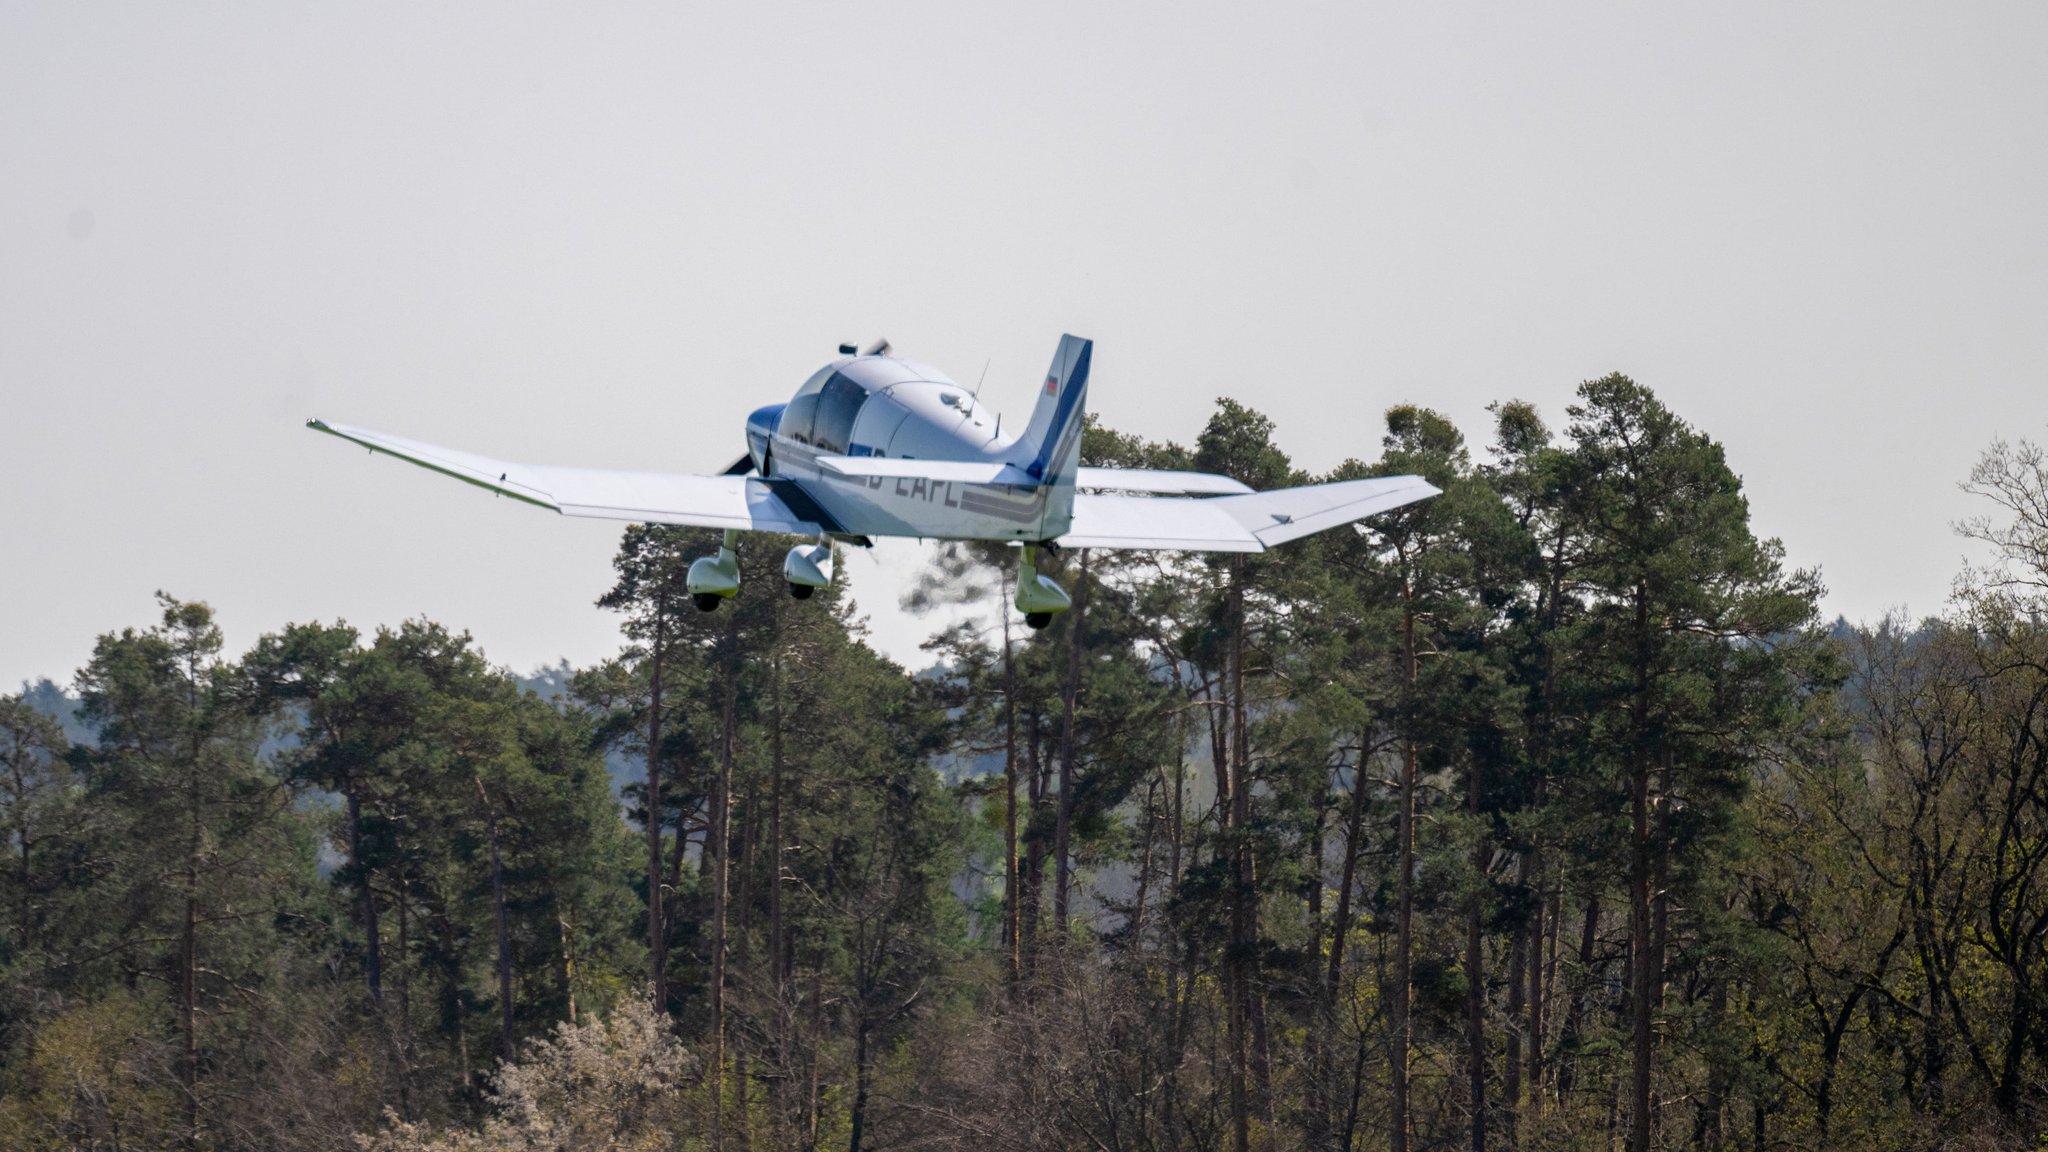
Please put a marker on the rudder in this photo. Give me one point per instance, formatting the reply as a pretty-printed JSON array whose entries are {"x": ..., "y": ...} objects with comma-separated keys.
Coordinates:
[{"x": 1050, "y": 449}]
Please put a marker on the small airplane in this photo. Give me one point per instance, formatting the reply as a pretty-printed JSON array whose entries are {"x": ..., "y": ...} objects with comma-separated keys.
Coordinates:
[{"x": 875, "y": 445}]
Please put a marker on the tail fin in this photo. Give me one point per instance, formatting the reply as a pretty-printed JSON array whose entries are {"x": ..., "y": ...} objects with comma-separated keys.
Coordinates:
[{"x": 1050, "y": 450}]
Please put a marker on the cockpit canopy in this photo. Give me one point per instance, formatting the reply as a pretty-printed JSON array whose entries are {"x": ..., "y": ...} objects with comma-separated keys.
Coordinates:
[{"x": 823, "y": 412}]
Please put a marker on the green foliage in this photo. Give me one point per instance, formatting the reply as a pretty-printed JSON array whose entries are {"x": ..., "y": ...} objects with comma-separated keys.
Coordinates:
[{"x": 1660, "y": 833}]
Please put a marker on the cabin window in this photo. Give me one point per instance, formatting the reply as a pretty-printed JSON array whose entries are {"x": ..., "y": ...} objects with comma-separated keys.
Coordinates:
[{"x": 838, "y": 405}]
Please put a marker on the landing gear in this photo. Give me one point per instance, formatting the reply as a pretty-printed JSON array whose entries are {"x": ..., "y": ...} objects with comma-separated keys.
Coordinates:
[
  {"x": 1038, "y": 598},
  {"x": 715, "y": 578},
  {"x": 808, "y": 567}
]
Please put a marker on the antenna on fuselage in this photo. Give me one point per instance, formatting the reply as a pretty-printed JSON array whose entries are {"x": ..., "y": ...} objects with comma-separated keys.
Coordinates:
[
  {"x": 984, "y": 376},
  {"x": 878, "y": 348}
]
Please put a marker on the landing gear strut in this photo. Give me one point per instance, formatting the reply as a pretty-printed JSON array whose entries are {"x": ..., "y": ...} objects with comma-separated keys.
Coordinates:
[
  {"x": 1038, "y": 598},
  {"x": 715, "y": 578}
]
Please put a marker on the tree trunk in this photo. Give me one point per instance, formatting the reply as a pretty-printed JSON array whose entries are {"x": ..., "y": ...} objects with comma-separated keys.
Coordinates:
[
  {"x": 1216, "y": 695},
  {"x": 1013, "y": 944},
  {"x": 403, "y": 1031},
  {"x": 1031, "y": 884},
  {"x": 1404, "y": 893},
  {"x": 1642, "y": 1007},
  {"x": 506, "y": 1048},
  {"x": 657, "y": 934},
  {"x": 1518, "y": 967},
  {"x": 1544, "y": 976},
  {"x": 373, "y": 959},
  {"x": 19, "y": 802},
  {"x": 1709, "y": 1129},
  {"x": 1475, "y": 984},
  {"x": 672, "y": 895},
  {"x": 188, "y": 993},
  {"x": 750, "y": 834},
  {"x": 1533, "y": 959},
  {"x": 781, "y": 955},
  {"x": 1642, "y": 1038},
  {"x": 1323, "y": 1112},
  {"x": 811, "y": 1057},
  {"x": 1340, "y": 923},
  {"x": 860, "y": 1084},
  {"x": 1149, "y": 818},
  {"x": 1660, "y": 921},
  {"x": 454, "y": 1021},
  {"x": 1241, "y": 927},
  {"x": 1064, "y": 817},
  {"x": 188, "y": 938},
  {"x": 1511, "y": 1056},
  {"x": 720, "y": 842},
  {"x": 566, "y": 927},
  {"x": 1575, "y": 1017}
]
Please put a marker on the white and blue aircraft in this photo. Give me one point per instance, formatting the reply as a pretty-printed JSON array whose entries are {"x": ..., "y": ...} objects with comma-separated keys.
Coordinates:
[{"x": 874, "y": 445}]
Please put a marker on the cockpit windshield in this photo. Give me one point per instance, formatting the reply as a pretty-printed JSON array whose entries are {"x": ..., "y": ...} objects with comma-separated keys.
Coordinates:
[
  {"x": 823, "y": 412},
  {"x": 838, "y": 406}
]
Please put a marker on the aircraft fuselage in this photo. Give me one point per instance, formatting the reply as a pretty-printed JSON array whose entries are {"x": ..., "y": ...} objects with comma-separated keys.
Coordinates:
[{"x": 878, "y": 406}]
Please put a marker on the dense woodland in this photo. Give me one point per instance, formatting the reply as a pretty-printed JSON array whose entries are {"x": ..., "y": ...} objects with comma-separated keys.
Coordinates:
[{"x": 1542, "y": 815}]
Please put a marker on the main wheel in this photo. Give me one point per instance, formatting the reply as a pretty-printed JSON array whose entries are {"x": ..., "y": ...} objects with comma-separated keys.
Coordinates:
[
  {"x": 1037, "y": 620},
  {"x": 706, "y": 601},
  {"x": 801, "y": 591}
]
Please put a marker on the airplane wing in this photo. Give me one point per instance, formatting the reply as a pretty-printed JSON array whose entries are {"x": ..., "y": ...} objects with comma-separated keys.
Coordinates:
[
  {"x": 647, "y": 497},
  {"x": 1242, "y": 523}
]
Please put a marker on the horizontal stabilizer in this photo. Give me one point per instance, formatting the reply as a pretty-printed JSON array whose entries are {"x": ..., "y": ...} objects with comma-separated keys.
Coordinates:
[
  {"x": 1159, "y": 480},
  {"x": 957, "y": 471}
]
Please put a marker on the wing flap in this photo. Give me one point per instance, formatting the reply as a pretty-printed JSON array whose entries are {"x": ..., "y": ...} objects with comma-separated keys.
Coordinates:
[
  {"x": 1159, "y": 480},
  {"x": 957, "y": 471},
  {"x": 1156, "y": 523},
  {"x": 739, "y": 502}
]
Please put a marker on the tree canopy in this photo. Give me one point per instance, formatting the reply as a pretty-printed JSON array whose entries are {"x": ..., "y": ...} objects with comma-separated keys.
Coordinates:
[{"x": 1544, "y": 814}]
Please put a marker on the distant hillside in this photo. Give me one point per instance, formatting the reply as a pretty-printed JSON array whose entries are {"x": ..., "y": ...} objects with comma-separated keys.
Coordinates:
[
  {"x": 548, "y": 683},
  {"x": 44, "y": 696}
]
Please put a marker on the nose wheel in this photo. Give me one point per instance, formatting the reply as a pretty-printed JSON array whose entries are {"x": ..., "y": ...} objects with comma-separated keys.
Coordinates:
[
  {"x": 801, "y": 591},
  {"x": 1037, "y": 621}
]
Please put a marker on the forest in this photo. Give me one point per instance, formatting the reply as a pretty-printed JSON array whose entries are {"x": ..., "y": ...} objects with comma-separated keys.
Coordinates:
[{"x": 1548, "y": 814}]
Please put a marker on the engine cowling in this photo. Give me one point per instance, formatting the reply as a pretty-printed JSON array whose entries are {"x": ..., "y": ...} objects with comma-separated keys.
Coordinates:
[{"x": 761, "y": 424}]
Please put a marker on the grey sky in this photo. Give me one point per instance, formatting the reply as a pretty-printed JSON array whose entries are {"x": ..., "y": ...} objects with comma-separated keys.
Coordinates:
[{"x": 602, "y": 236}]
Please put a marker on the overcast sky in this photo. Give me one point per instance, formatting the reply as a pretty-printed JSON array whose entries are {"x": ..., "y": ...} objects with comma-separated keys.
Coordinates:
[{"x": 602, "y": 235}]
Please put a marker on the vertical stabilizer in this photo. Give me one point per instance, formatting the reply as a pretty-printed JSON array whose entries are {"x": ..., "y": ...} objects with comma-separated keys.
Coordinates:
[{"x": 1050, "y": 449}]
